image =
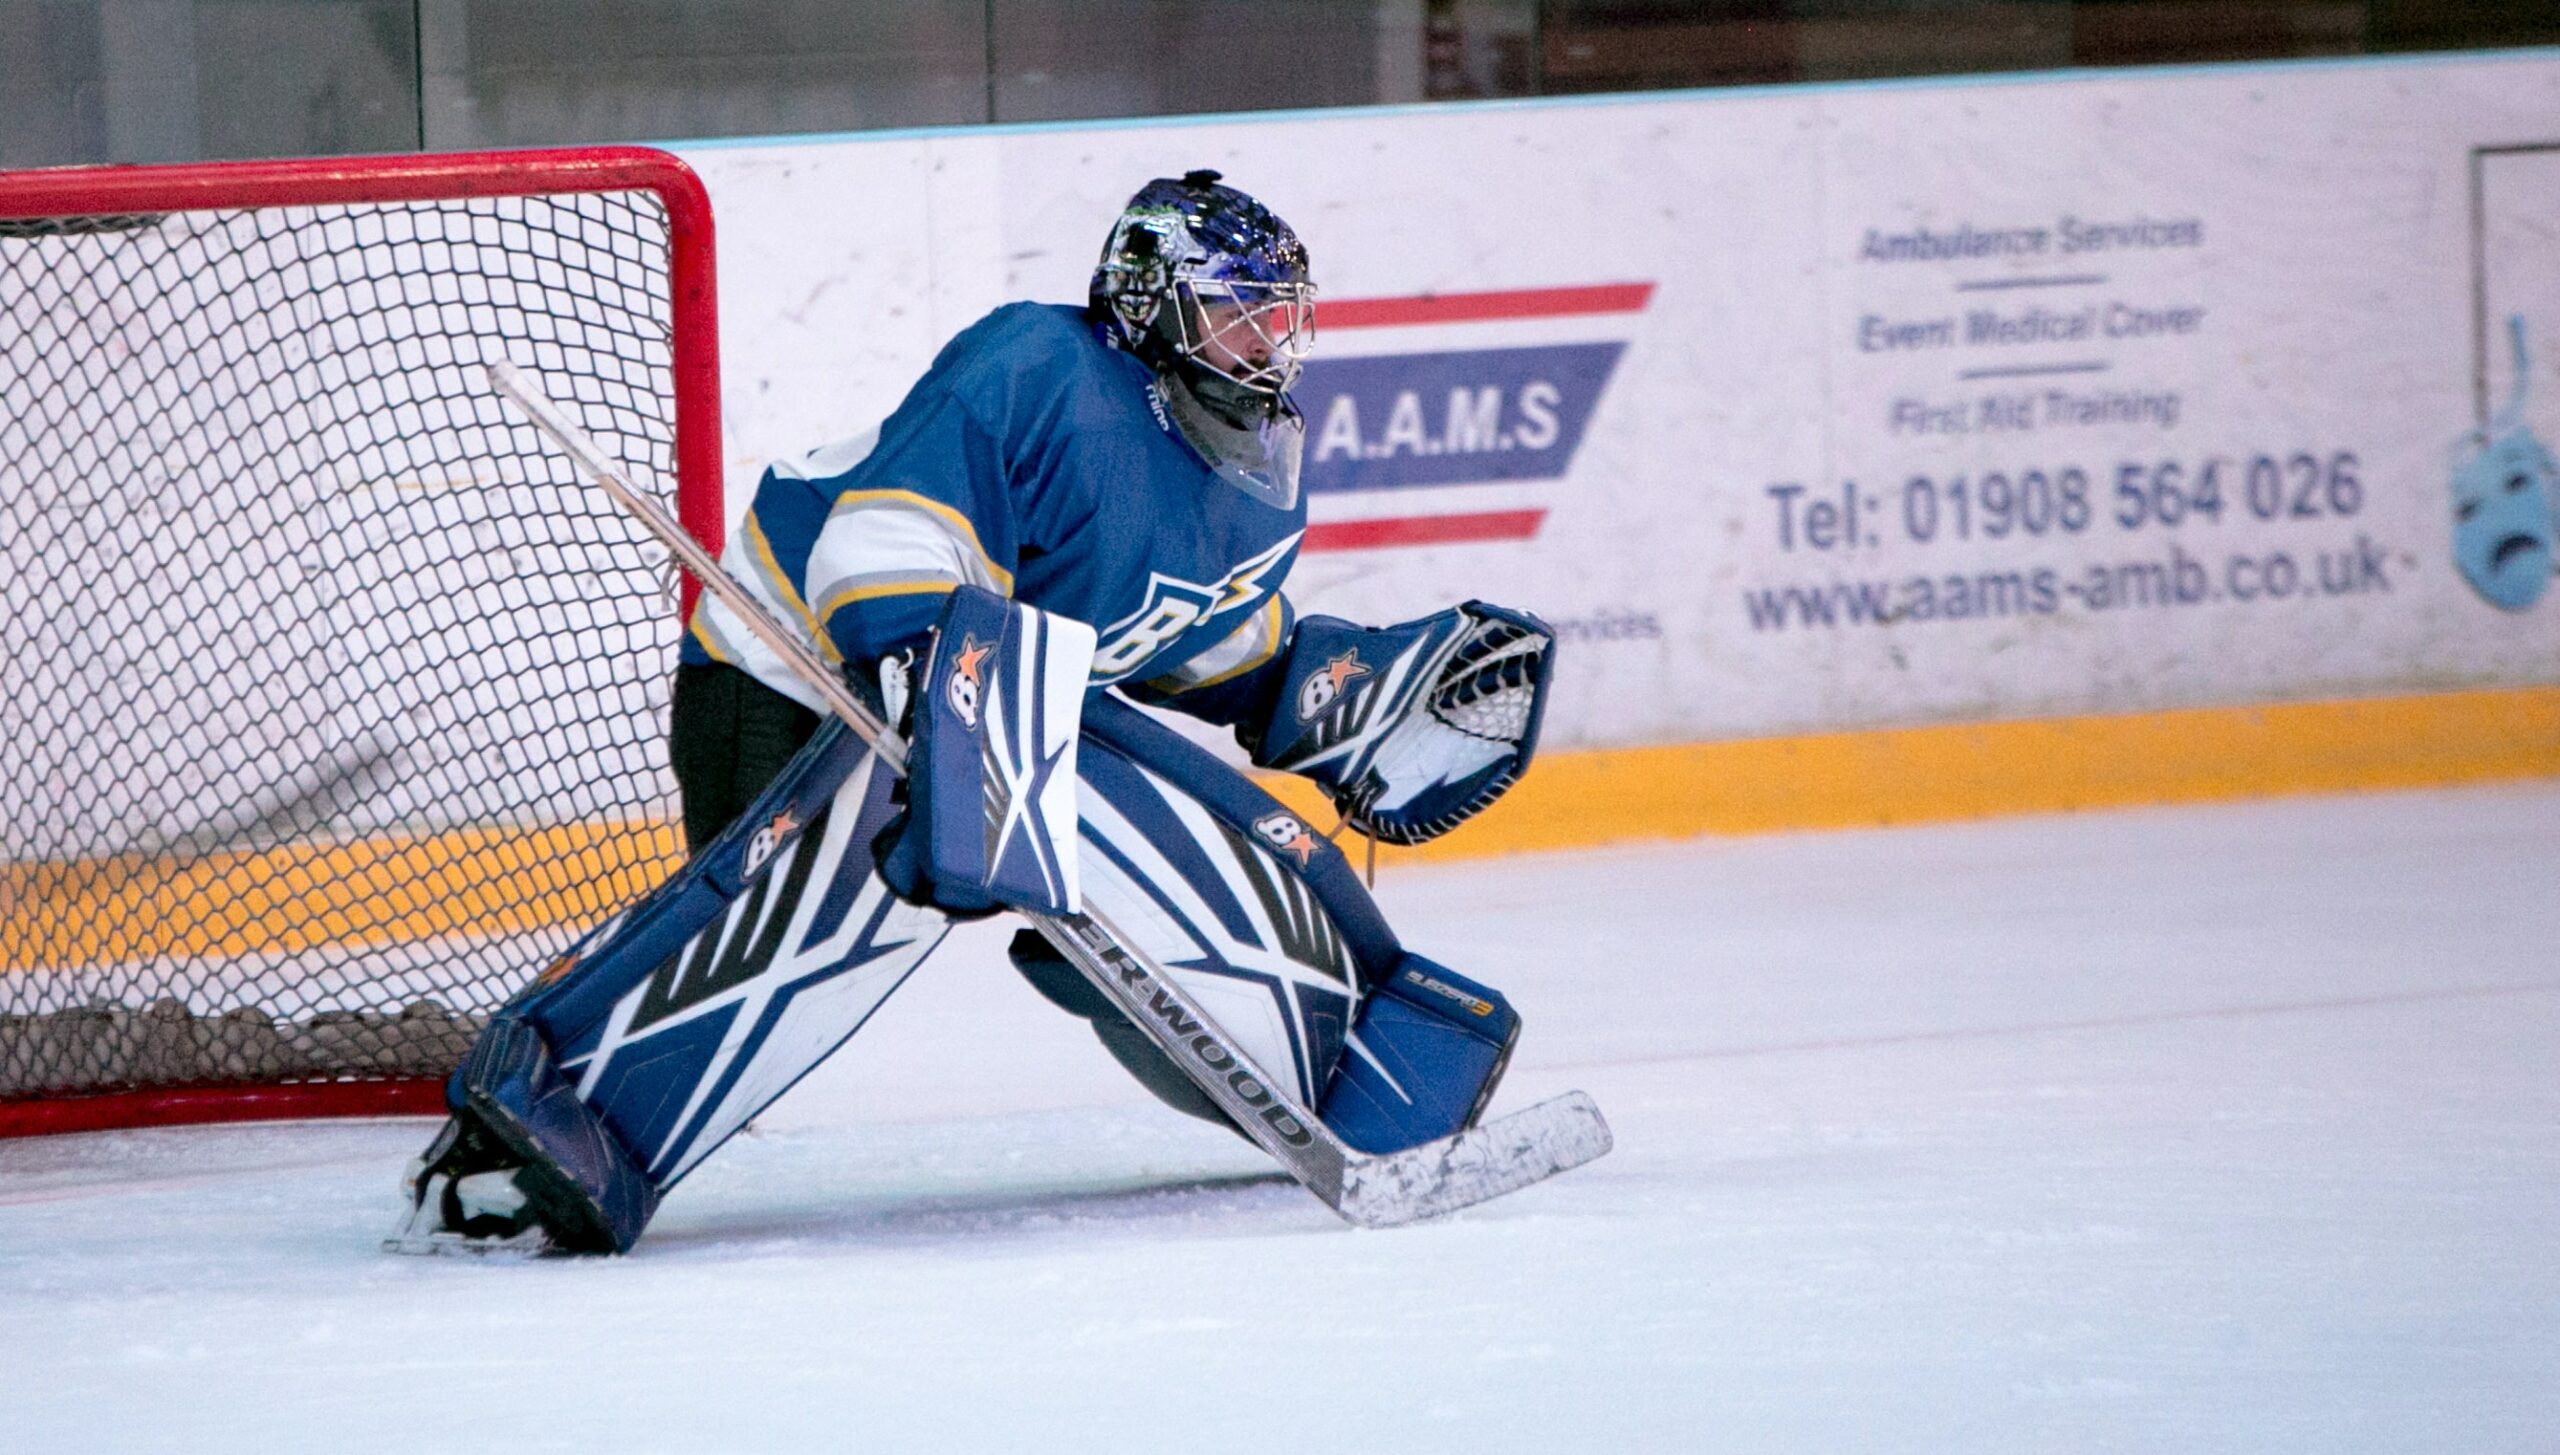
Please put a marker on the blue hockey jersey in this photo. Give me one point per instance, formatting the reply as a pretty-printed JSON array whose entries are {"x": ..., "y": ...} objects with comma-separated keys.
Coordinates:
[{"x": 1037, "y": 461}]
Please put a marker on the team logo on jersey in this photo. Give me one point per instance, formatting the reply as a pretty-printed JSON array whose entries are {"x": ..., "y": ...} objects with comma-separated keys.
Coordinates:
[
  {"x": 1323, "y": 689},
  {"x": 764, "y": 841},
  {"x": 968, "y": 680},
  {"x": 1174, "y": 606},
  {"x": 1282, "y": 831}
]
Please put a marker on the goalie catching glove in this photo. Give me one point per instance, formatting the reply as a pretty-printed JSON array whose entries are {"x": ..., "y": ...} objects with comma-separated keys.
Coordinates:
[{"x": 1411, "y": 729}]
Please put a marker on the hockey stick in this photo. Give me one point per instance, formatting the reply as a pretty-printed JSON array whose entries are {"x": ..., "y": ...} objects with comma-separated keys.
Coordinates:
[{"x": 1370, "y": 1191}]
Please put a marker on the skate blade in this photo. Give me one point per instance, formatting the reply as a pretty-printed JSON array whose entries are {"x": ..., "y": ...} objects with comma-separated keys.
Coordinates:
[
  {"x": 422, "y": 1234},
  {"x": 442, "y": 1244}
]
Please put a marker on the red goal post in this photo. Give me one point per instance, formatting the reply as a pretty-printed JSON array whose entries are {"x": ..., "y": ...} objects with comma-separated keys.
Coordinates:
[{"x": 330, "y": 708}]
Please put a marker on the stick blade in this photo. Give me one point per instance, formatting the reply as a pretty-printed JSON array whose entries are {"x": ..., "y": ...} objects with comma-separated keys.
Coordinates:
[{"x": 1485, "y": 1162}]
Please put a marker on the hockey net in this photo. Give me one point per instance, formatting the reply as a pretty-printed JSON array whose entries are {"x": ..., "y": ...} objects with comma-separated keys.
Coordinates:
[{"x": 332, "y": 702}]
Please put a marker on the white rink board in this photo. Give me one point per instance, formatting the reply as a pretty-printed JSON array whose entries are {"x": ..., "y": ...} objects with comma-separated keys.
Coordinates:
[{"x": 2286, "y": 297}]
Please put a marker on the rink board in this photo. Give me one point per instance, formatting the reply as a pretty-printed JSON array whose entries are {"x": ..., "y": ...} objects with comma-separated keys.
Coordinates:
[
  {"x": 1984, "y": 770},
  {"x": 1881, "y": 453},
  {"x": 1816, "y": 410},
  {"x": 251, "y": 907}
]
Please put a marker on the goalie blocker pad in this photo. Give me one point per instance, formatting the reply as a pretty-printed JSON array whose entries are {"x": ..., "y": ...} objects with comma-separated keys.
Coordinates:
[
  {"x": 1411, "y": 729},
  {"x": 991, "y": 762}
]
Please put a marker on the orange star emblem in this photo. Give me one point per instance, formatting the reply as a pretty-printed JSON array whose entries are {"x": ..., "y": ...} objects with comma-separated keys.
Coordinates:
[
  {"x": 1283, "y": 831},
  {"x": 966, "y": 687},
  {"x": 1322, "y": 688},
  {"x": 763, "y": 842}
]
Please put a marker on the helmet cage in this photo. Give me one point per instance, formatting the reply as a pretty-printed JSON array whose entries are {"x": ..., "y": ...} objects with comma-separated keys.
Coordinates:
[{"x": 1256, "y": 333}]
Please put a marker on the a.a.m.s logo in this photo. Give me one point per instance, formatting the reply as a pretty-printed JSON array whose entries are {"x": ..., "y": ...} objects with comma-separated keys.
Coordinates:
[{"x": 1462, "y": 440}]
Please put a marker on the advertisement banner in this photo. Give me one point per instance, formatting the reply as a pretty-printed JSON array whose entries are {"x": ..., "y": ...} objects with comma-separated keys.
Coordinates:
[{"x": 1826, "y": 409}]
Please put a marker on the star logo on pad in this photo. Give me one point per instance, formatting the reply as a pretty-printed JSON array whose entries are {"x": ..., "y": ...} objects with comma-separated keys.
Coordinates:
[
  {"x": 769, "y": 838},
  {"x": 1284, "y": 832},
  {"x": 1323, "y": 687},
  {"x": 967, "y": 687}
]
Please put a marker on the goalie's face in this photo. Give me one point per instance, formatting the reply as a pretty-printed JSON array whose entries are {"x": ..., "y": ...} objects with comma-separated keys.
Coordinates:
[{"x": 1258, "y": 334}]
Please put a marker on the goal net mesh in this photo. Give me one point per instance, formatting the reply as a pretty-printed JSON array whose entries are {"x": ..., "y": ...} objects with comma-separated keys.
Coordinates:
[{"x": 333, "y": 700}]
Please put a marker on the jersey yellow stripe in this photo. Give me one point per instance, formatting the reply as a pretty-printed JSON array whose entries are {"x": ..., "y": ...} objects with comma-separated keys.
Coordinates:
[
  {"x": 918, "y": 587},
  {"x": 701, "y": 632},
  {"x": 782, "y": 585},
  {"x": 959, "y": 524}
]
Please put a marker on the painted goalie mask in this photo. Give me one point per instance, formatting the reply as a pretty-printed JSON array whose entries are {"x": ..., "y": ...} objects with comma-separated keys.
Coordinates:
[{"x": 1206, "y": 284}]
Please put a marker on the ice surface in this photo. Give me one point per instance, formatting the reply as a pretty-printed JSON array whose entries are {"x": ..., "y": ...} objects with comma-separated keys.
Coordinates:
[{"x": 2208, "y": 1129}]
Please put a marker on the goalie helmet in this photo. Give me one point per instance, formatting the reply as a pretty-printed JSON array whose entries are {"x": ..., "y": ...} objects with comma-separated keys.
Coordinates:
[{"x": 1207, "y": 285}]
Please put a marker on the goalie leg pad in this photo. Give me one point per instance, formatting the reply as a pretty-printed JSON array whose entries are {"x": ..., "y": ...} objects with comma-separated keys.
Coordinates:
[
  {"x": 678, "y": 1046},
  {"x": 669, "y": 1026},
  {"x": 1424, "y": 1058},
  {"x": 1270, "y": 931},
  {"x": 1257, "y": 917}
]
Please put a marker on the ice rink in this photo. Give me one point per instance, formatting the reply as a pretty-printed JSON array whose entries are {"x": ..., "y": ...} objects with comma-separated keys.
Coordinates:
[{"x": 2221, "y": 1128}]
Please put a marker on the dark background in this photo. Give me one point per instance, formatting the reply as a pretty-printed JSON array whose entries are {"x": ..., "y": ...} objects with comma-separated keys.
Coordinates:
[{"x": 181, "y": 80}]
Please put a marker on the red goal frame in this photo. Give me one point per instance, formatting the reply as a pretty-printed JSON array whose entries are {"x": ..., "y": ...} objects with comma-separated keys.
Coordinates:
[{"x": 424, "y": 177}]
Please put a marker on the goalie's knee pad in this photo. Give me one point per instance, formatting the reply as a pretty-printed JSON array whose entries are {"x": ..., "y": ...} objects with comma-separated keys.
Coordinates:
[
  {"x": 1423, "y": 1058},
  {"x": 1066, "y": 988},
  {"x": 1270, "y": 931}
]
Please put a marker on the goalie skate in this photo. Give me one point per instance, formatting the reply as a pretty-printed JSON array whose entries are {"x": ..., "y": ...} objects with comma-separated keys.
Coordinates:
[{"x": 468, "y": 1197}]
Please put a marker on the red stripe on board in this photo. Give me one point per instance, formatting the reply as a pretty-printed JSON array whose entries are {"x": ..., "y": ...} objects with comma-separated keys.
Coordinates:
[
  {"x": 1422, "y": 530},
  {"x": 290, "y": 1101},
  {"x": 1597, "y": 298}
]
